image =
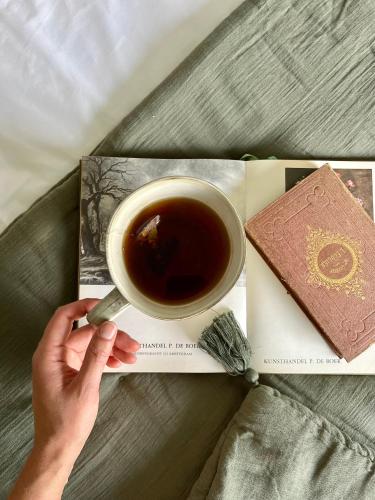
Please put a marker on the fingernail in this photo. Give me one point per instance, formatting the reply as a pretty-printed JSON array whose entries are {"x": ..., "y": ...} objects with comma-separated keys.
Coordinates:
[{"x": 107, "y": 330}]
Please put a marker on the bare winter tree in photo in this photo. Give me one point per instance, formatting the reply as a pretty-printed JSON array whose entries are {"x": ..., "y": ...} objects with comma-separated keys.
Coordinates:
[
  {"x": 100, "y": 181},
  {"x": 104, "y": 184}
]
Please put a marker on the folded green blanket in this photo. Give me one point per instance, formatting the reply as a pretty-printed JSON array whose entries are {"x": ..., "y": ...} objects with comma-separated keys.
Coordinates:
[
  {"x": 275, "y": 448},
  {"x": 294, "y": 79}
]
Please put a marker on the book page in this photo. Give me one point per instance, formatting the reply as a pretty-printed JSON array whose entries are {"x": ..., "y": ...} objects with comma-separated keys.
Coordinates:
[
  {"x": 282, "y": 338},
  {"x": 166, "y": 346}
]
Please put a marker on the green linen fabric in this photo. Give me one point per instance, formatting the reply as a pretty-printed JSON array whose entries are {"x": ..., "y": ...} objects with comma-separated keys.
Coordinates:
[
  {"x": 293, "y": 79},
  {"x": 276, "y": 448}
]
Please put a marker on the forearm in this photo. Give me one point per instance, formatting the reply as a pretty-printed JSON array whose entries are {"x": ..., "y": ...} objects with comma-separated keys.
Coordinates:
[
  {"x": 65, "y": 400},
  {"x": 44, "y": 475}
]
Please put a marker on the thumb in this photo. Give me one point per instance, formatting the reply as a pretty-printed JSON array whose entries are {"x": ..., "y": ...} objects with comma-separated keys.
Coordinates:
[{"x": 97, "y": 354}]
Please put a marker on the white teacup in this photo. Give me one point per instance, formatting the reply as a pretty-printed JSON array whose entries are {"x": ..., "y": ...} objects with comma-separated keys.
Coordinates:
[{"x": 126, "y": 293}]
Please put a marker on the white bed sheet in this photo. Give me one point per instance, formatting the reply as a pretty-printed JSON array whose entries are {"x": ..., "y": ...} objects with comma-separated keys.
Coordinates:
[{"x": 70, "y": 70}]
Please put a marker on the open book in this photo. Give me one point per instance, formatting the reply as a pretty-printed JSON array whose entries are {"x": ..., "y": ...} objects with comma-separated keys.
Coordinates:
[
  {"x": 282, "y": 338},
  {"x": 166, "y": 346}
]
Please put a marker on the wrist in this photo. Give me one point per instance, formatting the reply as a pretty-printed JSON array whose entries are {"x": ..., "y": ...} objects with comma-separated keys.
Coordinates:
[
  {"x": 45, "y": 473},
  {"x": 55, "y": 454},
  {"x": 50, "y": 467},
  {"x": 53, "y": 461}
]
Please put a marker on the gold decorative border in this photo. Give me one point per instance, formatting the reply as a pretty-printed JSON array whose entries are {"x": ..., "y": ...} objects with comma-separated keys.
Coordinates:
[{"x": 352, "y": 283}]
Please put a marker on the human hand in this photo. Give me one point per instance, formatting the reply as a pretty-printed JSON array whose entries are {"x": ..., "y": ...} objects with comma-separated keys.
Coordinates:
[{"x": 67, "y": 370}]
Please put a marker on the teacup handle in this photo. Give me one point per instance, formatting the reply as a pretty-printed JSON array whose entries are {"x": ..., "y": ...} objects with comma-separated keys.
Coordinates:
[{"x": 108, "y": 308}]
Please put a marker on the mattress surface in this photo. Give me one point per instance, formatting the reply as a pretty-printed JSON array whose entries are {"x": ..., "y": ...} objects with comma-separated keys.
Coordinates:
[{"x": 70, "y": 71}]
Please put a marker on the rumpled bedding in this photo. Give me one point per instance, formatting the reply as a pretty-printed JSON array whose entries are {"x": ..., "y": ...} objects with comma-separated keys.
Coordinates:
[
  {"x": 291, "y": 79},
  {"x": 276, "y": 448}
]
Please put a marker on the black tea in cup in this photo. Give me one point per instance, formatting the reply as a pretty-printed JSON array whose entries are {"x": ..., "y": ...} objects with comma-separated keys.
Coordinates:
[{"x": 176, "y": 250}]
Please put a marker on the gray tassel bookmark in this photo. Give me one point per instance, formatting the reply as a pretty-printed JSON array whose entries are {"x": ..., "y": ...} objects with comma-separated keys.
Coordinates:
[{"x": 225, "y": 342}]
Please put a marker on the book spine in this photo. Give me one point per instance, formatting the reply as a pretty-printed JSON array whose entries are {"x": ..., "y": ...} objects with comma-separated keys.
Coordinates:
[{"x": 79, "y": 231}]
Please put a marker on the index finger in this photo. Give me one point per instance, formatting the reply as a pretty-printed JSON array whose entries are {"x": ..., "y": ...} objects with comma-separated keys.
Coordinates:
[{"x": 61, "y": 323}]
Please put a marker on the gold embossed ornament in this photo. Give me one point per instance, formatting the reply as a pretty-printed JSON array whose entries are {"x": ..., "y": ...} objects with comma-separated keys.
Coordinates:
[{"x": 334, "y": 261}]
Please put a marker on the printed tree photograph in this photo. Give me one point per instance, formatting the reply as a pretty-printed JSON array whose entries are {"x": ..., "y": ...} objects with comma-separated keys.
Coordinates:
[
  {"x": 357, "y": 181},
  {"x": 103, "y": 187}
]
